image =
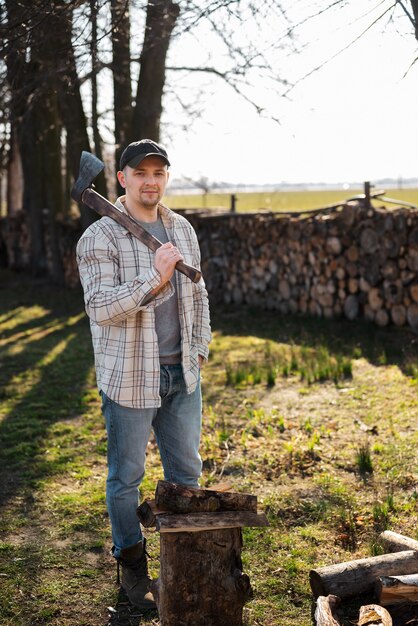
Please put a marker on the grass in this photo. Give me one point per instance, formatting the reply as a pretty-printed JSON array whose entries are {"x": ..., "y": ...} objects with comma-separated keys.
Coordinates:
[
  {"x": 364, "y": 460},
  {"x": 310, "y": 364},
  {"x": 282, "y": 200},
  {"x": 283, "y": 397}
]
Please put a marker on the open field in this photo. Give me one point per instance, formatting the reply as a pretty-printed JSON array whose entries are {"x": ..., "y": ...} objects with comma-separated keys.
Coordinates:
[
  {"x": 282, "y": 200},
  {"x": 284, "y": 401}
]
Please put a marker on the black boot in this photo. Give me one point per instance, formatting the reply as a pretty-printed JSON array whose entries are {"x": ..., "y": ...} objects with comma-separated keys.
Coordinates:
[{"x": 135, "y": 580}]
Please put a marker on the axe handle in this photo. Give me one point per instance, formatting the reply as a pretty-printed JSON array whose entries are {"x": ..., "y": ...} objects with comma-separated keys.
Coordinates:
[{"x": 104, "y": 207}]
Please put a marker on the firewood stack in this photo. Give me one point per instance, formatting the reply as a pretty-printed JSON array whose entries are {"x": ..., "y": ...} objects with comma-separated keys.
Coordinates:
[
  {"x": 349, "y": 261},
  {"x": 201, "y": 582},
  {"x": 392, "y": 576}
]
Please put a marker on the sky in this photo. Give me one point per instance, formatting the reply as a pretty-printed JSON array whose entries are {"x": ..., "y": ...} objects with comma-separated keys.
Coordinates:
[{"x": 355, "y": 119}]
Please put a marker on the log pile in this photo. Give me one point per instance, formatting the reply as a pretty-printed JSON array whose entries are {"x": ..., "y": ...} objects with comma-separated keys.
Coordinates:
[
  {"x": 393, "y": 577},
  {"x": 201, "y": 580},
  {"x": 353, "y": 262}
]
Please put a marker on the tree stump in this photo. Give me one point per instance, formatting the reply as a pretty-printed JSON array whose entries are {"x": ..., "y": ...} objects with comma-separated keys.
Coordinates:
[{"x": 201, "y": 582}]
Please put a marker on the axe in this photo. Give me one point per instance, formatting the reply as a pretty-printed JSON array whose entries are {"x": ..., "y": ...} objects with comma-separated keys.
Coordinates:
[{"x": 90, "y": 167}]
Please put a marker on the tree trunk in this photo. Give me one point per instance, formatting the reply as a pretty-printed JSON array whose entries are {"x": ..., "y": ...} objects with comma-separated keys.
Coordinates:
[
  {"x": 52, "y": 186},
  {"x": 160, "y": 22},
  {"x": 14, "y": 174},
  {"x": 122, "y": 90},
  {"x": 414, "y": 4},
  {"x": 201, "y": 580},
  {"x": 349, "y": 579},
  {"x": 33, "y": 201},
  {"x": 21, "y": 78},
  {"x": 94, "y": 91},
  {"x": 71, "y": 107}
]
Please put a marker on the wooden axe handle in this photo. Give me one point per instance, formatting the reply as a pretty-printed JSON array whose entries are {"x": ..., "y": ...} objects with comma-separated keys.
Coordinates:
[{"x": 104, "y": 207}]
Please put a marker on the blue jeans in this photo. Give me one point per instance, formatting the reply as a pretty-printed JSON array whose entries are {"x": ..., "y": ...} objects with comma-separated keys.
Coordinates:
[{"x": 177, "y": 426}]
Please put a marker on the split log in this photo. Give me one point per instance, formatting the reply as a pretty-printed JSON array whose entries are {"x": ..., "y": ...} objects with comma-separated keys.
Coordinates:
[
  {"x": 181, "y": 499},
  {"x": 397, "y": 589},
  {"x": 197, "y": 522},
  {"x": 395, "y": 542},
  {"x": 354, "y": 577},
  {"x": 147, "y": 512},
  {"x": 201, "y": 580},
  {"x": 374, "y": 615},
  {"x": 325, "y": 611},
  {"x": 148, "y": 509}
]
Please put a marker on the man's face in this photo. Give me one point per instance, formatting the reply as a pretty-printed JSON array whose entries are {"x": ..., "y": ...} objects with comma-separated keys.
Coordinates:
[{"x": 145, "y": 185}]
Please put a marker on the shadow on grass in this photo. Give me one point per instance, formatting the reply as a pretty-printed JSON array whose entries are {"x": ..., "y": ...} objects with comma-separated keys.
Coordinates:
[
  {"x": 42, "y": 379},
  {"x": 341, "y": 337},
  {"x": 125, "y": 614},
  {"x": 58, "y": 357}
]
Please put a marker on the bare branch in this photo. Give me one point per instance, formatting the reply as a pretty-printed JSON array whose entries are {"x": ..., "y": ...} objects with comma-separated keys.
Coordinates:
[
  {"x": 349, "y": 45},
  {"x": 401, "y": 4}
]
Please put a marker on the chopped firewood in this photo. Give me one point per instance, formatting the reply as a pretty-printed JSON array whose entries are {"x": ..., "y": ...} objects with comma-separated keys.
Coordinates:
[
  {"x": 181, "y": 499},
  {"x": 325, "y": 611},
  {"x": 374, "y": 615},
  {"x": 147, "y": 512},
  {"x": 352, "y": 578},
  {"x": 197, "y": 522},
  {"x": 397, "y": 589},
  {"x": 394, "y": 542}
]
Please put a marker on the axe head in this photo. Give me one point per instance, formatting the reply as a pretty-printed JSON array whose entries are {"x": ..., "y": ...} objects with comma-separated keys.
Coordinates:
[{"x": 90, "y": 167}]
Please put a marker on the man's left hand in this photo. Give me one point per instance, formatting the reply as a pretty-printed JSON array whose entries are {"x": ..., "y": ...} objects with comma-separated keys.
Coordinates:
[{"x": 201, "y": 361}]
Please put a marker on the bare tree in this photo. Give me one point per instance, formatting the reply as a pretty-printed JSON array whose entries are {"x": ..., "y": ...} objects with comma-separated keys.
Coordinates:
[
  {"x": 51, "y": 51},
  {"x": 160, "y": 22}
]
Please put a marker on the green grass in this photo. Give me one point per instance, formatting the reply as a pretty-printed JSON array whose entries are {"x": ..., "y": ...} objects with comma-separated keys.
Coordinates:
[
  {"x": 364, "y": 460},
  {"x": 281, "y": 400},
  {"x": 282, "y": 200},
  {"x": 310, "y": 365}
]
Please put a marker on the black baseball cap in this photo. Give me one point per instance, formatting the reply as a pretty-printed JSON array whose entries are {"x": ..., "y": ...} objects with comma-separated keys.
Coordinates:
[{"x": 138, "y": 150}]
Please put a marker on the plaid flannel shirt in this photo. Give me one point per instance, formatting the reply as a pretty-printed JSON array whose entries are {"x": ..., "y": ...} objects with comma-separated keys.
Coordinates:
[{"x": 118, "y": 274}]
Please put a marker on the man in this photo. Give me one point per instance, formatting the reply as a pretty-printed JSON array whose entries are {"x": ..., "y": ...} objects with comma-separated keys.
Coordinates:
[{"x": 150, "y": 330}]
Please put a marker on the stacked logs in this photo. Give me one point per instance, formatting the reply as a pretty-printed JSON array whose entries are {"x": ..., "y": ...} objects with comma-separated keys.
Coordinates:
[
  {"x": 347, "y": 261},
  {"x": 351, "y": 261},
  {"x": 392, "y": 576}
]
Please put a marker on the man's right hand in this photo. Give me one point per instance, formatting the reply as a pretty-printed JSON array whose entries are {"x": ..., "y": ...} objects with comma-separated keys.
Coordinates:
[{"x": 166, "y": 258}]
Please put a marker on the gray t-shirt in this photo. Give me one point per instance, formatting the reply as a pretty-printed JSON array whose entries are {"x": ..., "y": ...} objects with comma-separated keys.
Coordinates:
[{"x": 167, "y": 323}]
